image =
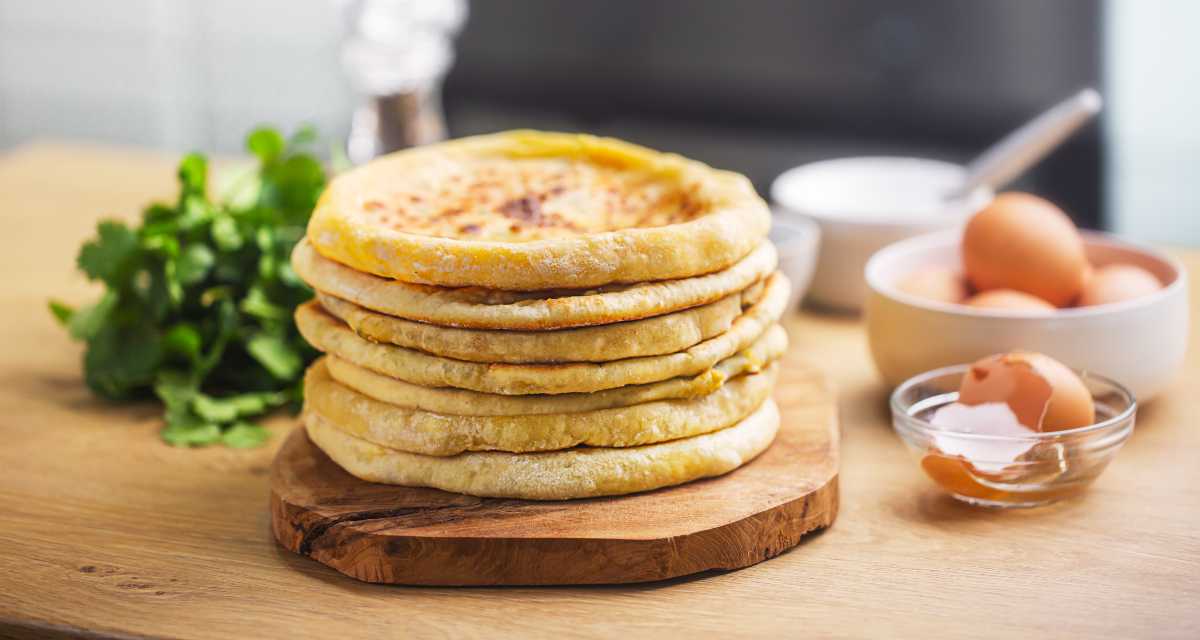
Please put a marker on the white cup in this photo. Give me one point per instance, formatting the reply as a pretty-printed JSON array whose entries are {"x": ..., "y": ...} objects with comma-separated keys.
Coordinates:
[{"x": 864, "y": 204}]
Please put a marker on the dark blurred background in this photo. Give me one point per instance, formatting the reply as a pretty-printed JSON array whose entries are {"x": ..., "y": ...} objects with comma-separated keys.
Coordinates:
[
  {"x": 755, "y": 86},
  {"x": 765, "y": 85}
]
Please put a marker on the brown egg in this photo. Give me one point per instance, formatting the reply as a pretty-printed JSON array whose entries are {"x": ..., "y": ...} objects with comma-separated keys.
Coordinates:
[
  {"x": 935, "y": 283},
  {"x": 1025, "y": 243},
  {"x": 1117, "y": 283},
  {"x": 1009, "y": 300},
  {"x": 1044, "y": 394}
]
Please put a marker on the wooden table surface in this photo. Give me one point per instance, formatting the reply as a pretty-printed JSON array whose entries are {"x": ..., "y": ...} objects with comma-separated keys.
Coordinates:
[{"x": 105, "y": 529}]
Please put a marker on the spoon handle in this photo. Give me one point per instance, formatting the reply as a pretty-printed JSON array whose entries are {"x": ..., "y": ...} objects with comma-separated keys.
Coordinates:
[{"x": 1023, "y": 148}]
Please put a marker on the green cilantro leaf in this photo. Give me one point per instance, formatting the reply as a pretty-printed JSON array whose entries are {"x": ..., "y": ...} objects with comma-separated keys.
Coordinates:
[
  {"x": 121, "y": 359},
  {"x": 265, "y": 143},
  {"x": 191, "y": 433},
  {"x": 61, "y": 312},
  {"x": 244, "y": 435},
  {"x": 175, "y": 388},
  {"x": 194, "y": 263},
  {"x": 183, "y": 340},
  {"x": 87, "y": 322},
  {"x": 193, "y": 174},
  {"x": 258, "y": 305},
  {"x": 225, "y": 233},
  {"x": 275, "y": 354},
  {"x": 111, "y": 256},
  {"x": 230, "y": 408}
]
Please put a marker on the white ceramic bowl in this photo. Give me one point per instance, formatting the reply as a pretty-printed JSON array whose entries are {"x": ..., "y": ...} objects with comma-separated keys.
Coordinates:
[
  {"x": 1140, "y": 343},
  {"x": 865, "y": 204},
  {"x": 797, "y": 241}
]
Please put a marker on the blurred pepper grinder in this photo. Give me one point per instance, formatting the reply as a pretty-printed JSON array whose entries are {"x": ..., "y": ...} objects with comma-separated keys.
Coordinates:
[{"x": 396, "y": 54}]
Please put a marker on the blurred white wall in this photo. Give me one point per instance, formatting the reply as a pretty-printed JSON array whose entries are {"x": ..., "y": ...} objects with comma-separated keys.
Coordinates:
[
  {"x": 177, "y": 74},
  {"x": 1152, "y": 64}
]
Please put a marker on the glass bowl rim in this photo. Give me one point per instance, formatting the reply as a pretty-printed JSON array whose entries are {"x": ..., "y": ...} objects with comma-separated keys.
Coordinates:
[{"x": 899, "y": 414}]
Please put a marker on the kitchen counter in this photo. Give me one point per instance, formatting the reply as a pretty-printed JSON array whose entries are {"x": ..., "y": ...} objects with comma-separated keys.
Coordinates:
[{"x": 106, "y": 530}]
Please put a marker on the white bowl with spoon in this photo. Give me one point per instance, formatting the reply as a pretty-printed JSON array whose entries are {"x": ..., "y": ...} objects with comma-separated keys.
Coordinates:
[{"x": 864, "y": 204}]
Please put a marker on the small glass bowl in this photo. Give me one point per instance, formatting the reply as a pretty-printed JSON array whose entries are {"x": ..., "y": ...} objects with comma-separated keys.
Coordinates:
[{"x": 1005, "y": 470}]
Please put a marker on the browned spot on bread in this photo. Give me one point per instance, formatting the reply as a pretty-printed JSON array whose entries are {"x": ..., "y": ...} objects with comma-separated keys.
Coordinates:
[{"x": 525, "y": 209}]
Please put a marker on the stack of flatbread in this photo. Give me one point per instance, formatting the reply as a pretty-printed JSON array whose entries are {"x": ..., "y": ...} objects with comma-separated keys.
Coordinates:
[{"x": 540, "y": 316}]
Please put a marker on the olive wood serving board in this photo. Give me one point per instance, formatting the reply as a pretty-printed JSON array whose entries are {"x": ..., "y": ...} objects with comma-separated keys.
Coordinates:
[{"x": 415, "y": 536}]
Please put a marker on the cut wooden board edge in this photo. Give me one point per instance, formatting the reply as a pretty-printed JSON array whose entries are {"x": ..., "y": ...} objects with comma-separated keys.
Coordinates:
[{"x": 465, "y": 561}]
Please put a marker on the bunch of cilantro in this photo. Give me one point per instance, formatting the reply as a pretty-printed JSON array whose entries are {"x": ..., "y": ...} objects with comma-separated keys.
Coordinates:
[{"x": 198, "y": 300}]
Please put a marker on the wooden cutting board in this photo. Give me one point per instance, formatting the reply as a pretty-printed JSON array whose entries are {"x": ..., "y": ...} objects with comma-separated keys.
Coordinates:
[{"x": 383, "y": 533}]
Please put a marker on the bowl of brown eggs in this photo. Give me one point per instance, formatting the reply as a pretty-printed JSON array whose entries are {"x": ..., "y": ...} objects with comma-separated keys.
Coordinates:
[{"x": 1020, "y": 275}]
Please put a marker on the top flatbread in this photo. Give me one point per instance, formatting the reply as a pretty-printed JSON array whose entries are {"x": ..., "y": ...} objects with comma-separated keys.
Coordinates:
[
  {"x": 528, "y": 210},
  {"x": 476, "y": 308}
]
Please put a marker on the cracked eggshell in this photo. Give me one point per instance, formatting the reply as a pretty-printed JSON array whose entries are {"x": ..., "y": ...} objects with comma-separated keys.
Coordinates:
[{"x": 1043, "y": 393}]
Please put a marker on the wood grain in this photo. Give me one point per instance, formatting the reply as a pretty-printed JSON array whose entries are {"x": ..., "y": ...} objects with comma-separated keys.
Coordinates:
[
  {"x": 105, "y": 529},
  {"x": 399, "y": 535}
]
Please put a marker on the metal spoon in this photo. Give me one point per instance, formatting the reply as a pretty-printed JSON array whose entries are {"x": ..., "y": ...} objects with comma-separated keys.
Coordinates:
[{"x": 1025, "y": 147}]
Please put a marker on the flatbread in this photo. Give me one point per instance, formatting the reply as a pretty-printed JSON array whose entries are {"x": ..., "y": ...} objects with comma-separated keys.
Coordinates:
[
  {"x": 647, "y": 337},
  {"x": 330, "y": 335},
  {"x": 529, "y": 210},
  {"x": 582, "y": 472},
  {"x": 474, "y": 403},
  {"x": 477, "y": 308},
  {"x": 439, "y": 434}
]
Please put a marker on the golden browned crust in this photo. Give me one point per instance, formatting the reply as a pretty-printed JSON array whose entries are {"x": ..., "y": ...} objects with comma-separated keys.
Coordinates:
[{"x": 536, "y": 210}]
